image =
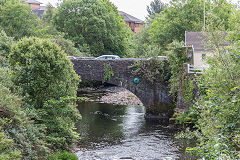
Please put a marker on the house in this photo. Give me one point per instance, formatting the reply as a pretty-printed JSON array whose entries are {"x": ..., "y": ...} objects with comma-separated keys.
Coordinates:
[
  {"x": 36, "y": 7},
  {"x": 33, "y": 4},
  {"x": 195, "y": 42},
  {"x": 134, "y": 23}
]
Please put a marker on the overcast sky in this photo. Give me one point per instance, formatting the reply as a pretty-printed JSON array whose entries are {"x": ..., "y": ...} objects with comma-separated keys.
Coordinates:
[{"x": 136, "y": 8}]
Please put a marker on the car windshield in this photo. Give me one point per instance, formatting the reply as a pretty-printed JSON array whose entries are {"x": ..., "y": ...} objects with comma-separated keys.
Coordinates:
[{"x": 108, "y": 57}]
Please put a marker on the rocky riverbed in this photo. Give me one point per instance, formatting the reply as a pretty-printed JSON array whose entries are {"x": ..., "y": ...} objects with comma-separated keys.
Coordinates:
[{"x": 111, "y": 95}]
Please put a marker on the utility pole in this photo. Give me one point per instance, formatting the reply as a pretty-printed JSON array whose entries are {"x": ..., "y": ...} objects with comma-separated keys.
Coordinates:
[{"x": 204, "y": 21}]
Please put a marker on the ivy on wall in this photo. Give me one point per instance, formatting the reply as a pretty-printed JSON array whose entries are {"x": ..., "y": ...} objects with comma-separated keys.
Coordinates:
[
  {"x": 108, "y": 72},
  {"x": 152, "y": 70}
]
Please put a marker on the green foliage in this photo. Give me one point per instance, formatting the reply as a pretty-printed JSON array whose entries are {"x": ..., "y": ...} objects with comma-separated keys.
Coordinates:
[
  {"x": 5, "y": 48},
  {"x": 40, "y": 67},
  {"x": 94, "y": 23},
  {"x": 218, "y": 15},
  {"x": 6, "y": 148},
  {"x": 5, "y": 44},
  {"x": 108, "y": 72},
  {"x": 188, "y": 90},
  {"x": 176, "y": 59},
  {"x": 68, "y": 47},
  {"x": 189, "y": 117},
  {"x": 183, "y": 15},
  {"x": 155, "y": 7},
  {"x": 59, "y": 117},
  {"x": 172, "y": 23},
  {"x": 141, "y": 44},
  {"x": 17, "y": 19},
  {"x": 152, "y": 70},
  {"x": 47, "y": 17},
  {"x": 216, "y": 114},
  {"x": 219, "y": 122},
  {"x": 25, "y": 138},
  {"x": 234, "y": 27},
  {"x": 45, "y": 75},
  {"x": 63, "y": 156}
]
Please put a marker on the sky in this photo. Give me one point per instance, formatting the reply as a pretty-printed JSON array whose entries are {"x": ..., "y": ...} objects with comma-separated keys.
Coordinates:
[{"x": 136, "y": 8}]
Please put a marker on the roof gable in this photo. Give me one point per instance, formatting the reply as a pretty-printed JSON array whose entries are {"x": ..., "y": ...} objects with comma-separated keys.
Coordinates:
[
  {"x": 129, "y": 18},
  {"x": 32, "y": 2},
  {"x": 199, "y": 40},
  {"x": 195, "y": 39}
]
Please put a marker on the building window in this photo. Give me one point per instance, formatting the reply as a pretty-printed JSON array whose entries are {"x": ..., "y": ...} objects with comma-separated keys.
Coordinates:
[
  {"x": 204, "y": 57},
  {"x": 132, "y": 27}
]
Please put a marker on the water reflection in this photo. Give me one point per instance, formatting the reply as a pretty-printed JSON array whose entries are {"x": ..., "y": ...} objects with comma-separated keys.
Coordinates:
[{"x": 112, "y": 132}]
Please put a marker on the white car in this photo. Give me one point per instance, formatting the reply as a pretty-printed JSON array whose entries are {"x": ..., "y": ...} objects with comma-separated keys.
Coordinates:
[
  {"x": 159, "y": 57},
  {"x": 162, "y": 57},
  {"x": 71, "y": 57},
  {"x": 108, "y": 57}
]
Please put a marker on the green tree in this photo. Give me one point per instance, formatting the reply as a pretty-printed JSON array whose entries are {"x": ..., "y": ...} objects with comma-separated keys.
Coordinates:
[
  {"x": 49, "y": 13},
  {"x": 234, "y": 27},
  {"x": 182, "y": 16},
  {"x": 43, "y": 61},
  {"x": 172, "y": 23},
  {"x": 17, "y": 19},
  {"x": 156, "y": 6},
  {"x": 48, "y": 84},
  {"x": 68, "y": 47},
  {"x": 176, "y": 59},
  {"x": 94, "y": 23},
  {"x": 5, "y": 48}
]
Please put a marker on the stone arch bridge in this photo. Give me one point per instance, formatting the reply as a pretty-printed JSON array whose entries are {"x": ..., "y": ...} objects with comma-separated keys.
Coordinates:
[{"x": 121, "y": 75}]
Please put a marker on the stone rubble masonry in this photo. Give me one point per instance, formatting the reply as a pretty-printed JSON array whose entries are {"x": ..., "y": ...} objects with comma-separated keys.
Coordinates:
[{"x": 149, "y": 94}]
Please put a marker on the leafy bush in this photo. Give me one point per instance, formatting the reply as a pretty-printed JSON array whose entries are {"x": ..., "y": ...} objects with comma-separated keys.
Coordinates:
[
  {"x": 7, "y": 151},
  {"x": 25, "y": 137},
  {"x": 17, "y": 19},
  {"x": 45, "y": 75},
  {"x": 63, "y": 156},
  {"x": 108, "y": 72},
  {"x": 153, "y": 70},
  {"x": 176, "y": 58},
  {"x": 68, "y": 47},
  {"x": 217, "y": 112},
  {"x": 59, "y": 116},
  {"x": 5, "y": 48},
  {"x": 42, "y": 70}
]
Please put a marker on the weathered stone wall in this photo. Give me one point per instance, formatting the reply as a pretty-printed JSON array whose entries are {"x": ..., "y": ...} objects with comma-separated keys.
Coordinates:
[
  {"x": 182, "y": 106},
  {"x": 149, "y": 94}
]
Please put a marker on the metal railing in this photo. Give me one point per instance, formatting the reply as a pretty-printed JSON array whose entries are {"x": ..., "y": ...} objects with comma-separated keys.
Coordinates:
[{"x": 195, "y": 69}]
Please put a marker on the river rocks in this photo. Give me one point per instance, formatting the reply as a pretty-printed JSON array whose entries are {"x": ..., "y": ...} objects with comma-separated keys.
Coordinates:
[{"x": 120, "y": 96}]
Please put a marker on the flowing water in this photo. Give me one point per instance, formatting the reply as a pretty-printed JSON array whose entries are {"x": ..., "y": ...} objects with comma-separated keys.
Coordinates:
[{"x": 114, "y": 132}]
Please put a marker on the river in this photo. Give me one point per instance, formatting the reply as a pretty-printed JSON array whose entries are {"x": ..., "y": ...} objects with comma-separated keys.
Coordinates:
[{"x": 117, "y": 132}]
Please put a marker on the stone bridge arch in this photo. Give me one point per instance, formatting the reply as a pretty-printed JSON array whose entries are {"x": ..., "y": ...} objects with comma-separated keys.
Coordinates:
[{"x": 95, "y": 69}]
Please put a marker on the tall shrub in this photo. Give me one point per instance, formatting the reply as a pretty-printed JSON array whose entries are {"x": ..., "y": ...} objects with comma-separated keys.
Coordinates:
[
  {"x": 49, "y": 84},
  {"x": 5, "y": 48},
  {"x": 176, "y": 58},
  {"x": 218, "y": 110},
  {"x": 19, "y": 136}
]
